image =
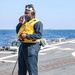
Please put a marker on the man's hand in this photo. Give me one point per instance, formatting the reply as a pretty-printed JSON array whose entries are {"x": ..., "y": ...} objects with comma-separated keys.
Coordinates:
[
  {"x": 23, "y": 35},
  {"x": 21, "y": 19}
]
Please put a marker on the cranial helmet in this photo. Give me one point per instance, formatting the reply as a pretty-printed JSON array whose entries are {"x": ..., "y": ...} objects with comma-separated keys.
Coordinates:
[{"x": 29, "y": 7}]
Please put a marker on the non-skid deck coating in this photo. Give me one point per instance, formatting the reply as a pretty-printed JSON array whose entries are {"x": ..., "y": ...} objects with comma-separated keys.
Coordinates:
[{"x": 54, "y": 59}]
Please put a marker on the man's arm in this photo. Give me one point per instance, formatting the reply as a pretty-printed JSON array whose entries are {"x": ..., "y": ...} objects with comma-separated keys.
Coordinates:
[
  {"x": 18, "y": 27},
  {"x": 38, "y": 27},
  {"x": 19, "y": 24}
]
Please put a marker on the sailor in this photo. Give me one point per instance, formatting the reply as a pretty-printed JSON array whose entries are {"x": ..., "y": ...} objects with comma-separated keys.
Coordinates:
[{"x": 29, "y": 33}]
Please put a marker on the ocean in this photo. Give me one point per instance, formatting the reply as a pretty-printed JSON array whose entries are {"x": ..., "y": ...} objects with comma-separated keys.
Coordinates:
[{"x": 7, "y": 35}]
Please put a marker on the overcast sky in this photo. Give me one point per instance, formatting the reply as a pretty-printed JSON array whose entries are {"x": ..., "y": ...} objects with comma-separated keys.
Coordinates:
[{"x": 54, "y": 14}]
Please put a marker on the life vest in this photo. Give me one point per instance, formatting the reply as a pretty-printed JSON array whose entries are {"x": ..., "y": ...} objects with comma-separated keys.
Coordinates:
[{"x": 28, "y": 28}]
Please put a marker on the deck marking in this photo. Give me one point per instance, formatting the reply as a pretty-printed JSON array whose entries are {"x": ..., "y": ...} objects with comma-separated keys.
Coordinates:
[
  {"x": 6, "y": 52},
  {"x": 73, "y": 54},
  {"x": 49, "y": 49},
  {"x": 65, "y": 48},
  {"x": 8, "y": 56},
  {"x": 42, "y": 53}
]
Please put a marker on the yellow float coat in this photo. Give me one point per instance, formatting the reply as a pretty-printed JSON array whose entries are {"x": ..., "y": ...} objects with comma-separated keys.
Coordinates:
[{"x": 28, "y": 28}]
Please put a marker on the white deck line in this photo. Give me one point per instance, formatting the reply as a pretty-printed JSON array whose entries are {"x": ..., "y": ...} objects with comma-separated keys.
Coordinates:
[
  {"x": 73, "y": 54},
  {"x": 6, "y": 52},
  {"x": 42, "y": 53},
  {"x": 48, "y": 49},
  {"x": 8, "y": 56}
]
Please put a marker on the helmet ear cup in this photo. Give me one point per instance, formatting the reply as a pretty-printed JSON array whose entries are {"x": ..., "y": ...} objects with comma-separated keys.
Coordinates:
[{"x": 33, "y": 13}]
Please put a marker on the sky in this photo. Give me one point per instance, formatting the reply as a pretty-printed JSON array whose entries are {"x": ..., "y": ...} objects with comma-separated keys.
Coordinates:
[{"x": 54, "y": 14}]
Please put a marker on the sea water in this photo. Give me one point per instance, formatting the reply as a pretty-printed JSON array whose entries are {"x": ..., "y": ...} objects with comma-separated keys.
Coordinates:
[{"x": 7, "y": 35}]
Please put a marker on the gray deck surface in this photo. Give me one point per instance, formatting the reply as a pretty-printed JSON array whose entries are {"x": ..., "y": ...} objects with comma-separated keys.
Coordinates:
[{"x": 54, "y": 59}]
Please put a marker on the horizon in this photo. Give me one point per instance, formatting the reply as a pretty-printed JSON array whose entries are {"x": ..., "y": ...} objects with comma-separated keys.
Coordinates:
[{"x": 43, "y": 29}]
